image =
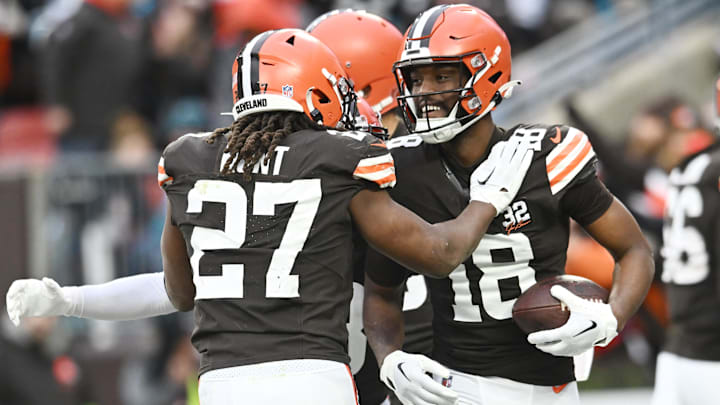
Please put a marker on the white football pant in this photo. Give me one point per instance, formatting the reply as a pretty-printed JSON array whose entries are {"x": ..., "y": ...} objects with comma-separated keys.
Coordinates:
[
  {"x": 476, "y": 390},
  {"x": 683, "y": 381},
  {"x": 288, "y": 382}
]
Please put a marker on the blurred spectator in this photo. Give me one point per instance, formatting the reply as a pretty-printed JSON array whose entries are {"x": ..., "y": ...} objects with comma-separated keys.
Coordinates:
[
  {"x": 18, "y": 69},
  {"x": 169, "y": 375},
  {"x": 26, "y": 137},
  {"x": 235, "y": 23},
  {"x": 178, "y": 51},
  {"x": 98, "y": 205},
  {"x": 131, "y": 143},
  {"x": 632, "y": 168},
  {"x": 35, "y": 371},
  {"x": 11, "y": 25},
  {"x": 188, "y": 115},
  {"x": 234, "y": 18},
  {"x": 90, "y": 69}
]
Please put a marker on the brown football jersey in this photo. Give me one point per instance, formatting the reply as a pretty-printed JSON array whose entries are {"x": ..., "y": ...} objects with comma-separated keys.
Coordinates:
[
  {"x": 473, "y": 327},
  {"x": 271, "y": 257},
  {"x": 691, "y": 257}
]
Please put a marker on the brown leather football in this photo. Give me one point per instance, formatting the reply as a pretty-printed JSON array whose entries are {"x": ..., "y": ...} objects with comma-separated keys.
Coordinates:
[{"x": 537, "y": 310}]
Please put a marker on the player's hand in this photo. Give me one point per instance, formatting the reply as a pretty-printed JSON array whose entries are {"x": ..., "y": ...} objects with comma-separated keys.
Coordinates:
[
  {"x": 405, "y": 374},
  {"x": 497, "y": 180},
  {"x": 31, "y": 297},
  {"x": 591, "y": 323}
]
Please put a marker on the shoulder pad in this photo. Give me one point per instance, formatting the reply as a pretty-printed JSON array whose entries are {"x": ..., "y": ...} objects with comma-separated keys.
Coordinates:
[
  {"x": 356, "y": 135},
  {"x": 570, "y": 152},
  {"x": 378, "y": 169},
  {"x": 182, "y": 155},
  {"x": 566, "y": 151}
]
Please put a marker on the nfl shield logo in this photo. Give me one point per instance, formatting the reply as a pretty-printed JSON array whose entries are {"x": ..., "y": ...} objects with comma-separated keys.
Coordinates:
[{"x": 287, "y": 90}]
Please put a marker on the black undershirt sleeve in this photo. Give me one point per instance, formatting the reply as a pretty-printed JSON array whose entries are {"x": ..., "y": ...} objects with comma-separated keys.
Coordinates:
[
  {"x": 587, "y": 201},
  {"x": 384, "y": 271}
]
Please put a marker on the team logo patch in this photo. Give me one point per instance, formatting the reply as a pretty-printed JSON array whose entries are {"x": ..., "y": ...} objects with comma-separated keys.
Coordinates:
[{"x": 287, "y": 90}]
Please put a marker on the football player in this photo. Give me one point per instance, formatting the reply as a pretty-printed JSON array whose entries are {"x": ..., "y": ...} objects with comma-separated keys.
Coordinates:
[
  {"x": 688, "y": 367},
  {"x": 453, "y": 71},
  {"x": 259, "y": 226},
  {"x": 367, "y": 46}
]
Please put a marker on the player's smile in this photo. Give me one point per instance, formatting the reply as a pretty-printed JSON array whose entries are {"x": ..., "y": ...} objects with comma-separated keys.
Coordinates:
[
  {"x": 436, "y": 108},
  {"x": 433, "y": 79}
]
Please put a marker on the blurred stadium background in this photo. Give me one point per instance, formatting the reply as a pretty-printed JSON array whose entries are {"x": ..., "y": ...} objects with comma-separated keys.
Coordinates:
[{"x": 84, "y": 118}]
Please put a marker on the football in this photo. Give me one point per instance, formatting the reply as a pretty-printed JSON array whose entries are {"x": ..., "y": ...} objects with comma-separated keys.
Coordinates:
[{"x": 537, "y": 310}]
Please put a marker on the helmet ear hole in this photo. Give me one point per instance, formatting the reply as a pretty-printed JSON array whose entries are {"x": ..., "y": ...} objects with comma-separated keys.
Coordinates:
[
  {"x": 322, "y": 97},
  {"x": 494, "y": 78},
  {"x": 291, "y": 40}
]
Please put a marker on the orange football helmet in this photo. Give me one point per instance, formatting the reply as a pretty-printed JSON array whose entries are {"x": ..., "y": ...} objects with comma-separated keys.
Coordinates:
[
  {"x": 290, "y": 70},
  {"x": 459, "y": 34},
  {"x": 367, "y": 46}
]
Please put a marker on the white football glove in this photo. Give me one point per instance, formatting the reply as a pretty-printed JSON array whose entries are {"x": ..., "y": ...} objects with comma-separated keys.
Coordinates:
[
  {"x": 497, "y": 180},
  {"x": 404, "y": 373},
  {"x": 591, "y": 323},
  {"x": 31, "y": 297}
]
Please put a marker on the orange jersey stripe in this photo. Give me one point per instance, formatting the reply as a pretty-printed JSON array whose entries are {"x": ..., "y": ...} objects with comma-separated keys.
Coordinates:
[
  {"x": 583, "y": 153},
  {"x": 374, "y": 168},
  {"x": 160, "y": 183},
  {"x": 569, "y": 148},
  {"x": 386, "y": 179}
]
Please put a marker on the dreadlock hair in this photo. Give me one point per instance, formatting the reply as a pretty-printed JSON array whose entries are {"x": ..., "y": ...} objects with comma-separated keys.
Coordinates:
[{"x": 256, "y": 134}]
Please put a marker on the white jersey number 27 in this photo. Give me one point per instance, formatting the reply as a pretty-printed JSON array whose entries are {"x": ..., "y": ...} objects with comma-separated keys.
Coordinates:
[{"x": 306, "y": 193}]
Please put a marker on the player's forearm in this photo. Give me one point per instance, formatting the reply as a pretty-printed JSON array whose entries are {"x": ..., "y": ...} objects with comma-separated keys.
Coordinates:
[
  {"x": 176, "y": 266},
  {"x": 631, "y": 281},
  {"x": 383, "y": 321},
  {"x": 460, "y": 236},
  {"x": 182, "y": 296},
  {"x": 127, "y": 298},
  {"x": 432, "y": 250},
  {"x": 178, "y": 279}
]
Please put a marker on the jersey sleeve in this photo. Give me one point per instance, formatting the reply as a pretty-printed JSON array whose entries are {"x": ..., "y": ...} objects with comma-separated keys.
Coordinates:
[
  {"x": 571, "y": 160},
  {"x": 376, "y": 166},
  {"x": 164, "y": 179},
  {"x": 715, "y": 229},
  {"x": 187, "y": 154},
  {"x": 586, "y": 202}
]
